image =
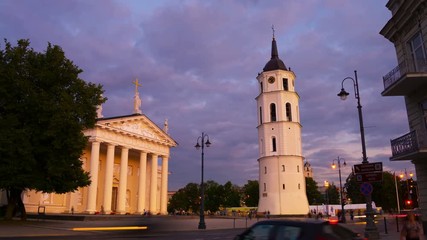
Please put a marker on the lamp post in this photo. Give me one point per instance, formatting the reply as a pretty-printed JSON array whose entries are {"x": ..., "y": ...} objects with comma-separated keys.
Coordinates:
[
  {"x": 341, "y": 189},
  {"x": 371, "y": 230},
  {"x": 201, "y": 143},
  {"x": 397, "y": 193}
]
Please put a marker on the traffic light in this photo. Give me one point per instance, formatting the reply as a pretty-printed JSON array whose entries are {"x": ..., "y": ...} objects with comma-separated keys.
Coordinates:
[{"x": 408, "y": 202}]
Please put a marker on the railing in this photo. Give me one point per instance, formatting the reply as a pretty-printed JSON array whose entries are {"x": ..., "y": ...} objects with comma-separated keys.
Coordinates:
[
  {"x": 405, "y": 144},
  {"x": 419, "y": 65}
]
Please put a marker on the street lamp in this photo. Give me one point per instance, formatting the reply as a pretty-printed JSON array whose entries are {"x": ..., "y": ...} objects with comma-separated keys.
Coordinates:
[
  {"x": 341, "y": 189},
  {"x": 371, "y": 230},
  {"x": 397, "y": 193},
  {"x": 201, "y": 143}
]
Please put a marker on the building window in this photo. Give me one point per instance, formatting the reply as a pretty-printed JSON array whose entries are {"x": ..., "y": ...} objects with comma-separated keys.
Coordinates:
[
  {"x": 283, "y": 186},
  {"x": 260, "y": 115},
  {"x": 283, "y": 168},
  {"x": 273, "y": 112},
  {"x": 261, "y": 87},
  {"x": 265, "y": 170},
  {"x": 299, "y": 186},
  {"x": 273, "y": 144},
  {"x": 265, "y": 187},
  {"x": 285, "y": 84},
  {"x": 417, "y": 52},
  {"x": 288, "y": 112},
  {"x": 297, "y": 168}
]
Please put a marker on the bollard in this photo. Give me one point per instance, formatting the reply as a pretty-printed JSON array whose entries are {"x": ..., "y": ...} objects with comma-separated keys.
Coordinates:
[
  {"x": 234, "y": 222},
  {"x": 246, "y": 223},
  {"x": 397, "y": 224},
  {"x": 385, "y": 225}
]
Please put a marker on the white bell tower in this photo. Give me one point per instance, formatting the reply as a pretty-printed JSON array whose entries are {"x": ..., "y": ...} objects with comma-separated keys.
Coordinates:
[{"x": 281, "y": 167}]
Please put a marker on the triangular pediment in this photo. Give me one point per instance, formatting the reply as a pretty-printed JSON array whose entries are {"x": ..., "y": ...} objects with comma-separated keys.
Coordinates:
[{"x": 137, "y": 125}]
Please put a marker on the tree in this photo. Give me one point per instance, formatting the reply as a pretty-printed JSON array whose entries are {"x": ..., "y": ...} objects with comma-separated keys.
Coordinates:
[
  {"x": 186, "y": 199},
  {"x": 383, "y": 194},
  {"x": 333, "y": 194},
  {"x": 214, "y": 195},
  {"x": 231, "y": 195},
  {"x": 313, "y": 194},
  {"x": 44, "y": 108},
  {"x": 251, "y": 193}
]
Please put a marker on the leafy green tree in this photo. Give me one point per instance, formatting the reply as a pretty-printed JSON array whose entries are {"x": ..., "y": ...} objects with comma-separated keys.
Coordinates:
[
  {"x": 313, "y": 194},
  {"x": 44, "y": 108},
  {"x": 383, "y": 194},
  {"x": 251, "y": 193},
  {"x": 353, "y": 189},
  {"x": 214, "y": 195},
  {"x": 332, "y": 194},
  {"x": 186, "y": 199},
  {"x": 231, "y": 195}
]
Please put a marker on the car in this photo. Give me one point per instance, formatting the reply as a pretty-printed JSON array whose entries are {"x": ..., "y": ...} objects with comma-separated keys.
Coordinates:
[{"x": 298, "y": 229}]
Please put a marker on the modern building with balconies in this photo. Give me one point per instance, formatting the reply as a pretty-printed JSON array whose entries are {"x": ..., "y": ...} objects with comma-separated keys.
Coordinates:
[{"x": 407, "y": 30}]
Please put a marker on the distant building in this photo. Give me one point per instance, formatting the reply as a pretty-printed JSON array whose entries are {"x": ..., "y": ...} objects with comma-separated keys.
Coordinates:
[
  {"x": 122, "y": 157},
  {"x": 308, "y": 171},
  {"x": 407, "y": 30},
  {"x": 281, "y": 168}
]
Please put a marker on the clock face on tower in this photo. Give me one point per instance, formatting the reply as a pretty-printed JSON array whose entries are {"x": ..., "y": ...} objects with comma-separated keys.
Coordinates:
[{"x": 271, "y": 79}]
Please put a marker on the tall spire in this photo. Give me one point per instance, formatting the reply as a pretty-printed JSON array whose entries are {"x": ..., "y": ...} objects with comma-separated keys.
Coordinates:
[
  {"x": 275, "y": 62},
  {"x": 274, "y": 52}
]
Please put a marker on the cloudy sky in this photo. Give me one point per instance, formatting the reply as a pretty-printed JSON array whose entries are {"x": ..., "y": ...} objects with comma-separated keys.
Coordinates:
[{"x": 198, "y": 61}]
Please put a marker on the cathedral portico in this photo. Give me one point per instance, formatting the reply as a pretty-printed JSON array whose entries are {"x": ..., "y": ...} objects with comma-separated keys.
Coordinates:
[{"x": 122, "y": 157}]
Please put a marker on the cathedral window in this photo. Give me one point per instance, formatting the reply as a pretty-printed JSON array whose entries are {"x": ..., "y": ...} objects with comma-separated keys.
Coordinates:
[
  {"x": 273, "y": 144},
  {"x": 265, "y": 187},
  {"x": 260, "y": 115},
  {"x": 283, "y": 168},
  {"x": 288, "y": 112},
  {"x": 297, "y": 168},
  {"x": 283, "y": 186},
  {"x": 272, "y": 112},
  {"x": 299, "y": 186},
  {"x": 285, "y": 84},
  {"x": 265, "y": 170},
  {"x": 261, "y": 87}
]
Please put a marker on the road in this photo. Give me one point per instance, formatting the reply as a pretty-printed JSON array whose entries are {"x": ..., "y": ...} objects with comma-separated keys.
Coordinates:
[{"x": 139, "y": 227}]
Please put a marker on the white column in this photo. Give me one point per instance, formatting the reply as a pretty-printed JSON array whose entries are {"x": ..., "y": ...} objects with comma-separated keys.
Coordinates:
[
  {"x": 121, "y": 202},
  {"x": 164, "y": 187},
  {"x": 108, "y": 183},
  {"x": 153, "y": 184},
  {"x": 142, "y": 181},
  {"x": 92, "y": 189}
]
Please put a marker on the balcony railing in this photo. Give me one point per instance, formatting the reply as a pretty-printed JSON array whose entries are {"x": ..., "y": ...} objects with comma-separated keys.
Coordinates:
[
  {"x": 405, "y": 144},
  {"x": 419, "y": 65}
]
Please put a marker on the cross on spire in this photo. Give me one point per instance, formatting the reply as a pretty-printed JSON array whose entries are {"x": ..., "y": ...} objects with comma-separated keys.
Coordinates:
[
  {"x": 136, "y": 85},
  {"x": 272, "y": 28}
]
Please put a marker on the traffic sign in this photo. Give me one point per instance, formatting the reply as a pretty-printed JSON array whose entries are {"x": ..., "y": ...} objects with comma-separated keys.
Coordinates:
[
  {"x": 369, "y": 177},
  {"x": 366, "y": 188},
  {"x": 368, "y": 167}
]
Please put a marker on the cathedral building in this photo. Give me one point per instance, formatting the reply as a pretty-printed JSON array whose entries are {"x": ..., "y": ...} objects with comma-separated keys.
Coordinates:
[
  {"x": 281, "y": 167},
  {"x": 127, "y": 159}
]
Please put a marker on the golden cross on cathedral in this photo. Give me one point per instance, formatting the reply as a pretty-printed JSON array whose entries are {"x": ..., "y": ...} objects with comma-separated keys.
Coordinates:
[{"x": 136, "y": 85}]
